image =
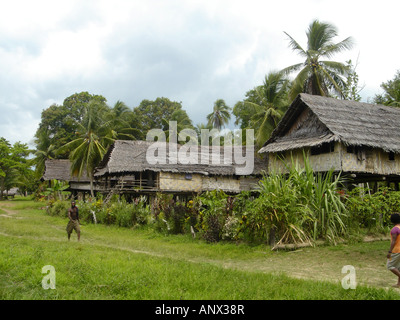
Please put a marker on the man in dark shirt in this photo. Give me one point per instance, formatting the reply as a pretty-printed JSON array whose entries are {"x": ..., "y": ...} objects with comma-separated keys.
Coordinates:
[{"x": 73, "y": 224}]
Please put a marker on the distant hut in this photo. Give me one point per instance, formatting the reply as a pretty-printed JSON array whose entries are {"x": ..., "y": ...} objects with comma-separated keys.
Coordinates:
[
  {"x": 60, "y": 169},
  {"x": 12, "y": 192},
  {"x": 130, "y": 167},
  {"x": 358, "y": 139}
]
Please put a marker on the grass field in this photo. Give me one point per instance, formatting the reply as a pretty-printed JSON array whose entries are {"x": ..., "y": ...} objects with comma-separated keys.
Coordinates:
[{"x": 139, "y": 264}]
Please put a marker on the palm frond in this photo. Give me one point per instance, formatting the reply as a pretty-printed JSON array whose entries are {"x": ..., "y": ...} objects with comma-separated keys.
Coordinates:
[{"x": 296, "y": 46}]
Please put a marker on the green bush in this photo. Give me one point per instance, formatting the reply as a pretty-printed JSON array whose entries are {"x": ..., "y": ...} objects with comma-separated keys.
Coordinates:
[
  {"x": 170, "y": 216},
  {"x": 58, "y": 208},
  {"x": 213, "y": 213},
  {"x": 89, "y": 210},
  {"x": 371, "y": 211},
  {"x": 141, "y": 211},
  {"x": 301, "y": 206}
]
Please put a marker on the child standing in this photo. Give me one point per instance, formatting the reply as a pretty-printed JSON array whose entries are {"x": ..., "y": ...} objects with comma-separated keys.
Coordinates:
[{"x": 393, "y": 262}]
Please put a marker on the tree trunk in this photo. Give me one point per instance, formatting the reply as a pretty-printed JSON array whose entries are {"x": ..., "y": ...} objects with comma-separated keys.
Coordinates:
[
  {"x": 272, "y": 236},
  {"x": 91, "y": 185},
  {"x": 2, "y": 189}
]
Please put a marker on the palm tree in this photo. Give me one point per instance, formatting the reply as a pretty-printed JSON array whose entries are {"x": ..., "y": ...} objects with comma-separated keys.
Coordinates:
[
  {"x": 319, "y": 77},
  {"x": 119, "y": 109},
  {"x": 268, "y": 104},
  {"x": 391, "y": 95},
  {"x": 182, "y": 122},
  {"x": 220, "y": 115},
  {"x": 94, "y": 136},
  {"x": 44, "y": 150},
  {"x": 121, "y": 115}
]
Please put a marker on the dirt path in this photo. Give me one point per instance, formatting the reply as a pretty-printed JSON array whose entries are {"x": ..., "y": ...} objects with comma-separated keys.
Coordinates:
[
  {"x": 8, "y": 213},
  {"x": 324, "y": 264}
]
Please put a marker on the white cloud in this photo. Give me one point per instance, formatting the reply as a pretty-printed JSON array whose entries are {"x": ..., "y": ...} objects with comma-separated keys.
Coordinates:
[
  {"x": 67, "y": 54},
  {"x": 191, "y": 51}
]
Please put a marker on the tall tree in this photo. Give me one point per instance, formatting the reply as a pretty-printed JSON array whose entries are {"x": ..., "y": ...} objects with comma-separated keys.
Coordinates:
[
  {"x": 352, "y": 89},
  {"x": 119, "y": 109},
  {"x": 94, "y": 135},
  {"x": 182, "y": 120},
  {"x": 391, "y": 95},
  {"x": 155, "y": 114},
  {"x": 316, "y": 76},
  {"x": 264, "y": 106},
  {"x": 59, "y": 122},
  {"x": 220, "y": 115},
  {"x": 45, "y": 150},
  {"x": 124, "y": 122},
  {"x": 14, "y": 164}
]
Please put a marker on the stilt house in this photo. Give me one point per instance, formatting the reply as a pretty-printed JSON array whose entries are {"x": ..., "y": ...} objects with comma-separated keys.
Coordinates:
[
  {"x": 360, "y": 140},
  {"x": 133, "y": 167},
  {"x": 60, "y": 169}
]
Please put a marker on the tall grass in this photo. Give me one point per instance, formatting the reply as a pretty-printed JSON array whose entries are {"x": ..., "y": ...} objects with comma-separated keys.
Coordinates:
[{"x": 300, "y": 206}]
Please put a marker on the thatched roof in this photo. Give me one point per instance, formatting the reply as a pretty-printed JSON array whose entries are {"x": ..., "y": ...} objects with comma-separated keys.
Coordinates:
[
  {"x": 60, "y": 169},
  {"x": 312, "y": 120},
  {"x": 13, "y": 191},
  {"x": 133, "y": 156}
]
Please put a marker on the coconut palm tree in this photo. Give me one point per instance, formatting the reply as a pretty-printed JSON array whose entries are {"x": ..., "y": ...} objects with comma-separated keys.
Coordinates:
[
  {"x": 220, "y": 115},
  {"x": 121, "y": 116},
  {"x": 316, "y": 76},
  {"x": 264, "y": 106},
  {"x": 44, "y": 151},
  {"x": 119, "y": 109},
  {"x": 268, "y": 104},
  {"x": 94, "y": 135},
  {"x": 273, "y": 94}
]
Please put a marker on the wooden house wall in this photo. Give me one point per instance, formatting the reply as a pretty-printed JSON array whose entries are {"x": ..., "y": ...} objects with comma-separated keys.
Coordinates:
[
  {"x": 320, "y": 163},
  {"x": 170, "y": 181},
  {"x": 248, "y": 183},
  {"x": 227, "y": 184},
  {"x": 366, "y": 160},
  {"x": 179, "y": 182}
]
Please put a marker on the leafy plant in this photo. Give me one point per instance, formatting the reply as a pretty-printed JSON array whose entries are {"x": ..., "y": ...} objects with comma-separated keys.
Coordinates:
[
  {"x": 371, "y": 211},
  {"x": 213, "y": 214},
  {"x": 301, "y": 206},
  {"x": 57, "y": 190}
]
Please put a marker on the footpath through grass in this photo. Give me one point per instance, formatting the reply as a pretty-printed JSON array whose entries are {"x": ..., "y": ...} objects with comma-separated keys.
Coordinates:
[{"x": 117, "y": 263}]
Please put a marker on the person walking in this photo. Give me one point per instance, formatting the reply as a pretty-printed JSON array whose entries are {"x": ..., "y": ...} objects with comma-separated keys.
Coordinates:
[
  {"x": 74, "y": 223},
  {"x": 393, "y": 256}
]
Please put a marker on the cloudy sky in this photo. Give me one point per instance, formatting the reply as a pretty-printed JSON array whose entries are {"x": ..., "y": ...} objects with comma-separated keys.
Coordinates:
[{"x": 190, "y": 51}]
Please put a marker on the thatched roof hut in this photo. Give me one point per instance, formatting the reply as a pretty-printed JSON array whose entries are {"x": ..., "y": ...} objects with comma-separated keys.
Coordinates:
[
  {"x": 351, "y": 137},
  {"x": 313, "y": 120},
  {"x": 149, "y": 167},
  {"x": 60, "y": 169},
  {"x": 126, "y": 156}
]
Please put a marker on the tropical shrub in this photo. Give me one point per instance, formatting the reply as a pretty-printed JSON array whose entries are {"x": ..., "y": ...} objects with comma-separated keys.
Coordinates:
[
  {"x": 123, "y": 213},
  {"x": 214, "y": 210},
  {"x": 301, "y": 206},
  {"x": 371, "y": 211},
  {"x": 141, "y": 211},
  {"x": 58, "y": 208},
  {"x": 171, "y": 216},
  {"x": 56, "y": 191}
]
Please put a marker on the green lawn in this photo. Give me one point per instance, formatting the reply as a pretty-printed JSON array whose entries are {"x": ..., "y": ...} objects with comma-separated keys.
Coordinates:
[{"x": 117, "y": 263}]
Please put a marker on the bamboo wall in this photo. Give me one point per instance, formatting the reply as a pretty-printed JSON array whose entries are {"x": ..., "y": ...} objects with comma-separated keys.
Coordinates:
[
  {"x": 319, "y": 163},
  {"x": 179, "y": 182},
  {"x": 227, "y": 184},
  {"x": 373, "y": 161}
]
